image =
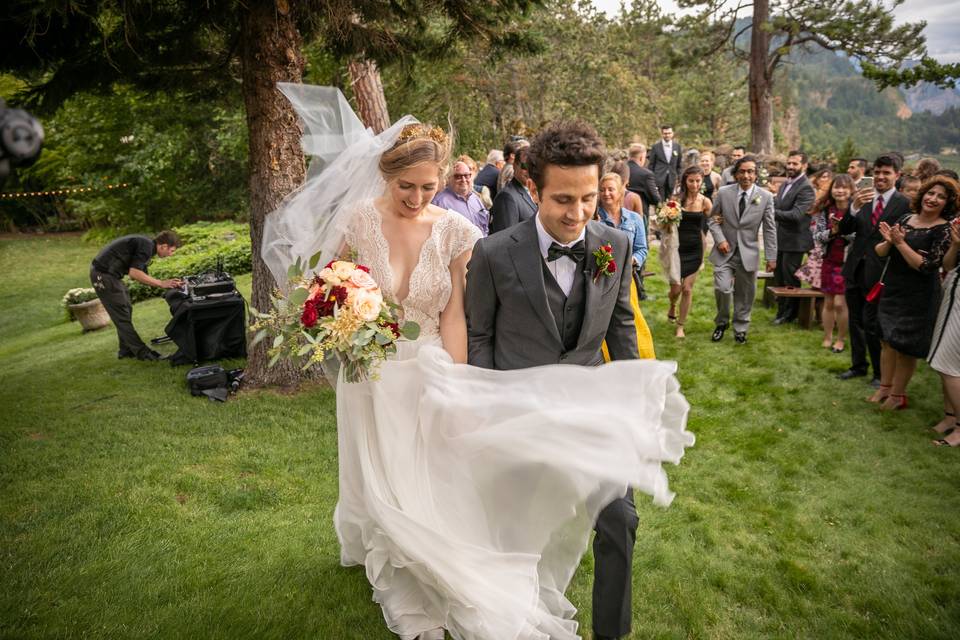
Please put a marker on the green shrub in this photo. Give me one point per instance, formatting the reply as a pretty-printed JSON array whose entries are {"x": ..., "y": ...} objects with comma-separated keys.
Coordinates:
[{"x": 202, "y": 244}]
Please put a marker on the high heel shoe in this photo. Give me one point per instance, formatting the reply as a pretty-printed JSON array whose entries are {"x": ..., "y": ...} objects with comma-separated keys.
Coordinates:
[
  {"x": 671, "y": 316},
  {"x": 881, "y": 394},
  {"x": 946, "y": 425},
  {"x": 894, "y": 402},
  {"x": 680, "y": 333}
]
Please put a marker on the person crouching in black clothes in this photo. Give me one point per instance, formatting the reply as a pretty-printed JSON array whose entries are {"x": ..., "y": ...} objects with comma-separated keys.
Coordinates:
[{"x": 130, "y": 256}]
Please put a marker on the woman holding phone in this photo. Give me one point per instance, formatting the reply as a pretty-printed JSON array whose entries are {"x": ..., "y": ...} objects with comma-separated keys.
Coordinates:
[{"x": 831, "y": 208}]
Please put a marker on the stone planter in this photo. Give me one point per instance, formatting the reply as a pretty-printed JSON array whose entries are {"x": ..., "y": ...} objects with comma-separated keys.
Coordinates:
[{"x": 91, "y": 315}]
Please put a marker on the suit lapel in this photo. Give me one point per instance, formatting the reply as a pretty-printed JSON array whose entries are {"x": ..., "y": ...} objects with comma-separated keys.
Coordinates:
[
  {"x": 527, "y": 260},
  {"x": 595, "y": 287}
]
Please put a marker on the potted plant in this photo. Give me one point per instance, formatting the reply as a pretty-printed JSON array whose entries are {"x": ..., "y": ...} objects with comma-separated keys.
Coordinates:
[{"x": 83, "y": 304}]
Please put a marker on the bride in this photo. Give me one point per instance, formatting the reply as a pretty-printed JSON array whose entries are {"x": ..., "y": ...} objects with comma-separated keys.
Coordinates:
[{"x": 467, "y": 494}]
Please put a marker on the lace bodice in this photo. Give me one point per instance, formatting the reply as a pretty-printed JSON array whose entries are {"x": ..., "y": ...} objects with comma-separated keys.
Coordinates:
[{"x": 430, "y": 284}]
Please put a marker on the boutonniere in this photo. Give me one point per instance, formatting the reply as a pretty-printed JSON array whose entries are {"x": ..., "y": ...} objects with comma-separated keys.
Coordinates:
[
  {"x": 756, "y": 199},
  {"x": 606, "y": 265}
]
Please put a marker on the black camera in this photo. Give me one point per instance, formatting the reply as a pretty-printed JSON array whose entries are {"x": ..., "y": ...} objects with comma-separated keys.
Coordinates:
[{"x": 21, "y": 139}]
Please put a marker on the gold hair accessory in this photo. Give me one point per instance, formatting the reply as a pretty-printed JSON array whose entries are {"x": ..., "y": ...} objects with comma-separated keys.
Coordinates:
[{"x": 418, "y": 130}]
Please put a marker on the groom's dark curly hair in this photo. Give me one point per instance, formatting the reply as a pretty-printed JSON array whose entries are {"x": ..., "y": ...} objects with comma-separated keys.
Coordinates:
[{"x": 571, "y": 143}]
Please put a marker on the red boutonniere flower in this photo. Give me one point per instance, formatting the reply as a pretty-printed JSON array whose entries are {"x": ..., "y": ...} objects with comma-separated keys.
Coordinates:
[{"x": 606, "y": 265}]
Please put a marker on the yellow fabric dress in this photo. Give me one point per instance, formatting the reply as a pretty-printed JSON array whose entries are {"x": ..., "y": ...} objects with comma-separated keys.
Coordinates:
[{"x": 644, "y": 337}]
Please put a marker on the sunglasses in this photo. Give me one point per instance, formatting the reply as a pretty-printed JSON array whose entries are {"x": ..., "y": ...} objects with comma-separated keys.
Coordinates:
[{"x": 461, "y": 176}]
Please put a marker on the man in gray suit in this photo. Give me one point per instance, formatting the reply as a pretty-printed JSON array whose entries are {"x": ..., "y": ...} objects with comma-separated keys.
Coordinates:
[
  {"x": 738, "y": 211},
  {"x": 791, "y": 210},
  {"x": 536, "y": 296}
]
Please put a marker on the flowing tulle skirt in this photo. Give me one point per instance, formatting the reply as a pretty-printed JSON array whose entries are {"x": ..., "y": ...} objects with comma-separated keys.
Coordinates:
[{"x": 469, "y": 495}]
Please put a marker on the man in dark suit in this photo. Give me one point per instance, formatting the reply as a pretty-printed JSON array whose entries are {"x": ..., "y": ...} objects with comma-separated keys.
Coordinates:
[
  {"x": 863, "y": 267},
  {"x": 665, "y": 162},
  {"x": 513, "y": 203},
  {"x": 791, "y": 210},
  {"x": 642, "y": 181},
  {"x": 533, "y": 298},
  {"x": 490, "y": 172}
]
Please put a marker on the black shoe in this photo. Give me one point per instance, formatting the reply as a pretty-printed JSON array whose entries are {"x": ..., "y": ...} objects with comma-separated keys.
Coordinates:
[
  {"x": 875, "y": 383},
  {"x": 783, "y": 320},
  {"x": 718, "y": 334},
  {"x": 851, "y": 373},
  {"x": 125, "y": 354},
  {"x": 740, "y": 337},
  {"x": 149, "y": 356}
]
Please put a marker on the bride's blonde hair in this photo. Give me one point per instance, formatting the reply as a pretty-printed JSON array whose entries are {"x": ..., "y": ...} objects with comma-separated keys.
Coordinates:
[{"x": 417, "y": 143}]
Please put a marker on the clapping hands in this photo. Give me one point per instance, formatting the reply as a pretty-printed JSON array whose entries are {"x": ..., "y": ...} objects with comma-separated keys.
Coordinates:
[
  {"x": 955, "y": 231},
  {"x": 893, "y": 235}
]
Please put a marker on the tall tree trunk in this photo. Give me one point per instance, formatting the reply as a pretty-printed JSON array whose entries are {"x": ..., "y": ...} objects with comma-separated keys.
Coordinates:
[
  {"x": 368, "y": 90},
  {"x": 761, "y": 81},
  {"x": 271, "y": 52}
]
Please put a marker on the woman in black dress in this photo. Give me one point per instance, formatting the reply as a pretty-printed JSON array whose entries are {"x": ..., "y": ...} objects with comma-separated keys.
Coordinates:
[
  {"x": 711, "y": 180},
  {"x": 690, "y": 235},
  {"x": 911, "y": 296}
]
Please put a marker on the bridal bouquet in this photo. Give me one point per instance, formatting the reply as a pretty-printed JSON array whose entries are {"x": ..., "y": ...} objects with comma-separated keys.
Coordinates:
[
  {"x": 338, "y": 312},
  {"x": 668, "y": 215}
]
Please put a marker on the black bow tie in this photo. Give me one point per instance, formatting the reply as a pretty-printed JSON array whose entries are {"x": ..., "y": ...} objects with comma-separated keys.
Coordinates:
[{"x": 576, "y": 252}]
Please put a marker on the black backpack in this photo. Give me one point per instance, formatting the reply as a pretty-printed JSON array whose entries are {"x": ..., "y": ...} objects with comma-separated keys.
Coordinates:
[{"x": 211, "y": 381}]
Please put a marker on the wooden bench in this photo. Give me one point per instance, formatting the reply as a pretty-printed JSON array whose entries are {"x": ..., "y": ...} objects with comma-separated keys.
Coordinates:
[
  {"x": 811, "y": 301},
  {"x": 767, "y": 278}
]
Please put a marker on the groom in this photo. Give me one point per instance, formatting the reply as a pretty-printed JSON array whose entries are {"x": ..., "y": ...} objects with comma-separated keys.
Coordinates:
[
  {"x": 738, "y": 212},
  {"x": 536, "y": 296}
]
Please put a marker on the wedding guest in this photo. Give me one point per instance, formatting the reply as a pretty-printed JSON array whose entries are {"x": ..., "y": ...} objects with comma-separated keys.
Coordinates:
[
  {"x": 926, "y": 169},
  {"x": 711, "y": 180},
  {"x": 642, "y": 181},
  {"x": 631, "y": 200},
  {"x": 910, "y": 186},
  {"x": 791, "y": 209},
  {"x": 513, "y": 203},
  {"x": 861, "y": 269},
  {"x": 459, "y": 195},
  {"x": 691, "y": 233},
  {"x": 914, "y": 247},
  {"x": 726, "y": 176},
  {"x": 665, "y": 158},
  {"x": 612, "y": 213},
  {"x": 949, "y": 173},
  {"x": 510, "y": 151},
  {"x": 490, "y": 172},
  {"x": 735, "y": 221},
  {"x": 944, "y": 355},
  {"x": 130, "y": 256},
  {"x": 831, "y": 208},
  {"x": 857, "y": 169},
  {"x": 821, "y": 181}
]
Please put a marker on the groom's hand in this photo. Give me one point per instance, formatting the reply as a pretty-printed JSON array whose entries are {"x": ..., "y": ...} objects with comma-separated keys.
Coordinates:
[{"x": 724, "y": 247}]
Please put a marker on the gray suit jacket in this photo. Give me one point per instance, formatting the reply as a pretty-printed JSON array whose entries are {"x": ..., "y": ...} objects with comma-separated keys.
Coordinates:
[
  {"x": 792, "y": 213},
  {"x": 741, "y": 232},
  {"x": 509, "y": 323}
]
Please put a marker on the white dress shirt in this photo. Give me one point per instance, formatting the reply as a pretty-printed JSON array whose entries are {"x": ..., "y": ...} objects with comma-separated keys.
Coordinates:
[
  {"x": 667, "y": 149},
  {"x": 564, "y": 268}
]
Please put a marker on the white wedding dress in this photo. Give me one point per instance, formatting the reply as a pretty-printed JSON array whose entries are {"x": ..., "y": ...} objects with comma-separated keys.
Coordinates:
[{"x": 468, "y": 494}]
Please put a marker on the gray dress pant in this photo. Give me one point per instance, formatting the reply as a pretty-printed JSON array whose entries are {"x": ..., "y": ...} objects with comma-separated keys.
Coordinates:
[
  {"x": 116, "y": 300},
  {"x": 732, "y": 282}
]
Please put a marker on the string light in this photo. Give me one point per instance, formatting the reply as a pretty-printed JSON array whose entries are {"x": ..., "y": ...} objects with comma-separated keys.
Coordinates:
[{"x": 59, "y": 192}]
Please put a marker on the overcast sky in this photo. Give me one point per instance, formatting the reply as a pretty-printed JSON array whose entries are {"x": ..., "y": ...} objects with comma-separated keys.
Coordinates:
[{"x": 942, "y": 17}]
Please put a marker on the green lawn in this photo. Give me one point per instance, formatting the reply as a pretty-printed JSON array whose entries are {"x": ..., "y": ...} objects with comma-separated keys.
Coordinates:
[{"x": 129, "y": 509}]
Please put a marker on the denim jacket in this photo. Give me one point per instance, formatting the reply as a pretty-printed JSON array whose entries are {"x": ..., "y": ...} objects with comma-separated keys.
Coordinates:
[{"x": 631, "y": 223}]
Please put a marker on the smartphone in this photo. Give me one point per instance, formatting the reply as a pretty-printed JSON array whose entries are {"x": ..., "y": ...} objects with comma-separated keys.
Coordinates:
[{"x": 865, "y": 183}]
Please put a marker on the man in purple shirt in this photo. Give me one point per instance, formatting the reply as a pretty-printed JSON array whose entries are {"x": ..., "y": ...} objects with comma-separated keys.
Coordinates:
[{"x": 460, "y": 196}]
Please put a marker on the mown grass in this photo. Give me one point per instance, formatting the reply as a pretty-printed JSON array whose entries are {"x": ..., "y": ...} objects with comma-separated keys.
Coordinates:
[{"x": 129, "y": 509}]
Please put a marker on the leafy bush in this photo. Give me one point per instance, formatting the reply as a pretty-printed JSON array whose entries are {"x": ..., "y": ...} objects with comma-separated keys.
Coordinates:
[
  {"x": 78, "y": 295},
  {"x": 203, "y": 243}
]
